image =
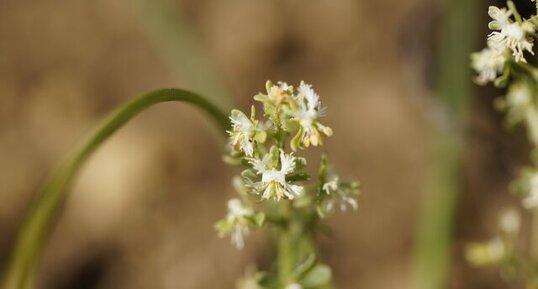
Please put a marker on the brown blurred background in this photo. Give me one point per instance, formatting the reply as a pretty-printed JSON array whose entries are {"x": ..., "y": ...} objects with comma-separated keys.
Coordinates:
[{"x": 142, "y": 212}]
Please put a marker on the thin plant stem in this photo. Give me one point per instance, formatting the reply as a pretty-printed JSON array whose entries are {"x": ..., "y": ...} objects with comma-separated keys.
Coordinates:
[
  {"x": 42, "y": 216},
  {"x": 285, "y": 248},
  {"x": 431, "y": 259},
  {"x": 168, "y": 30},
  {"x": 285, "y": 253}
]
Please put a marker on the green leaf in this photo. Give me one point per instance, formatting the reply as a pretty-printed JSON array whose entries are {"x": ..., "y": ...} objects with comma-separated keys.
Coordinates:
[{"x": 42, "y": 217}]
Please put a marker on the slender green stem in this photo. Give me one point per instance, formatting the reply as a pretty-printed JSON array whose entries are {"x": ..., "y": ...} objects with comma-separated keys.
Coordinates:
[
  {"x": 169, "y": 31},
  {"x": 439, "y": 199},
  {"x": 432, "y": 252},
  {"x": 42, "y": 216},
  {"x": 285, "y": 253},
  {"x": 285, "y": 248}
]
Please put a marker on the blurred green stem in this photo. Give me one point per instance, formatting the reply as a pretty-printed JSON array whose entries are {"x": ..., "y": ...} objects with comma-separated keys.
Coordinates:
[
  {"x": 41, "y": 218},
  {"x": 440, "y": 195},
  {"x": 285, "y": 256},
  {"x": 173, "y": 38},
  {"x": 285, "y": 246}
]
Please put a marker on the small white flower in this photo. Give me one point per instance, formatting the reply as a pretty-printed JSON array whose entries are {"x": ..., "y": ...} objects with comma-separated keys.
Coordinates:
[
  {"x": 331, "y": 187},
  {"x": 519, "y": 96},
  {"x": 294, "y": 286},
  {"x": 307, "y": 115},
  {"x": 242, "y": 134},
  {"x": 512, "y": 36},
  {"x": 531, "y": 201},
  {"x": 250, "y": 279},
  {"x": 518, "y": 103},
  {"x": 510, "y": 221},
  {"x": 488, "y": 63},
  {"x": 273, "y": 183},
  {"x": 346, "y": 200},
  {"x": 496, "y": 249},
  {"x": 237, "y": 210},
  {"x": 278, "y": 93},
  {"x": 500, "y": 16},
  {"x": 342, "y": 196},
  {"x": 237, "y": 214}
]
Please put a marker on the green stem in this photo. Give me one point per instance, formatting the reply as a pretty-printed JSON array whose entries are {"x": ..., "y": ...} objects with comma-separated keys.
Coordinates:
[
  {"x": 285, "y": 256},
  {"x": 439, "y": 201},
  {"x": 36, "y": 227},
  {"x": 439, "y": 198},
  {"x": 285, "y": 248}
]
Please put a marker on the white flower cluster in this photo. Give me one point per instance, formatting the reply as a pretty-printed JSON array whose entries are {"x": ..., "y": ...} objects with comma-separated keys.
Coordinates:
[
  {"x": 510, "y": 38},
  {"x": 292, "y": 119}
]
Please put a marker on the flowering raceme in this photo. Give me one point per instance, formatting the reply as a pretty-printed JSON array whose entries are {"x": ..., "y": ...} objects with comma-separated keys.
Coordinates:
[
  {"x": 511, "y": 37},
  {"x": 503, "y": 62},
  {"x": 273, "y": 189}
]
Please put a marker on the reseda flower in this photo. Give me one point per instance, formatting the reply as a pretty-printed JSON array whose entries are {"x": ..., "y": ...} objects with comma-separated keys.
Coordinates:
[
  {"x": 273, "y": 182},
  {"x": 236, "y": 223},
  {"x": 250, "y": 280},
  {"x": 519, "y": 96},
  {"x": 343, "y": 193},
  {"x": 244, "y": 132},
  {"x": 294, "y": 286},
  {"x": 510, "y": 222},
  {"x": 307, "y": 115},
  {"x": 488, "y": 63},
  {"x": 331, "y": 186},
  {"x": 278, "y": 93},
  {"x": 511, "y": 35},
  {"x": 531, "y": 201},
  {"x": 500, "y": 16},
  {"x": 518, "y": 102},
  {"x": 272, "y": 176}
]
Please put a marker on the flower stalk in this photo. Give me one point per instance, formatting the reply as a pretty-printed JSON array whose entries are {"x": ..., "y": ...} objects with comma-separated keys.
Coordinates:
[{"x": 439, "y": 199}]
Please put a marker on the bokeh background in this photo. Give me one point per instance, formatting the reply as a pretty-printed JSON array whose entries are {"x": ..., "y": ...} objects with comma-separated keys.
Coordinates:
[{"x": 141, "y": 214}]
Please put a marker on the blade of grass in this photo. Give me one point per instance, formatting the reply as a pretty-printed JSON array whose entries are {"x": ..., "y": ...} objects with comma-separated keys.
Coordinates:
[{"x": 42, "y": 216}]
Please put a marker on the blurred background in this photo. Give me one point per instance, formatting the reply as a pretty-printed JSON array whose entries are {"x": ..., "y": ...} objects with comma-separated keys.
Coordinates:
[{"x": 141, "y": 214}]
